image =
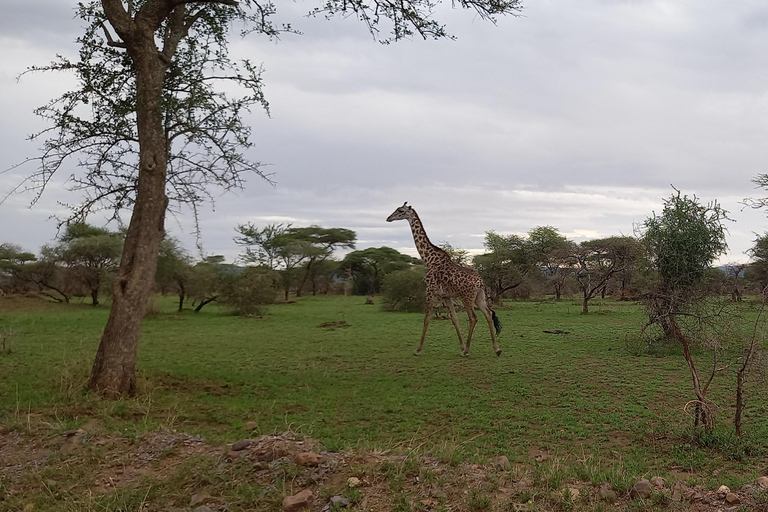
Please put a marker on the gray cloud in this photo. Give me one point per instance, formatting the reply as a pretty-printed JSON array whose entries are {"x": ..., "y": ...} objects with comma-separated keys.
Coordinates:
[{"x": 577, "y": 115}]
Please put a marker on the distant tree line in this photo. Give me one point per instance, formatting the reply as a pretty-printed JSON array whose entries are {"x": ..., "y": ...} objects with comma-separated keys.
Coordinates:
[{"x": 284, "y": 260}]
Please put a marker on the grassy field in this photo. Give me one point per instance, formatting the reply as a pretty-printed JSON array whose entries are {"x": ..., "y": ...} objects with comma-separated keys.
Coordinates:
[{"x": 575, "y": 407}]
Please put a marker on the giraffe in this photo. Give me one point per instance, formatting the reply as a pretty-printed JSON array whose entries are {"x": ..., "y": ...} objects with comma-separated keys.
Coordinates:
[{"x": 445, "y": 280}]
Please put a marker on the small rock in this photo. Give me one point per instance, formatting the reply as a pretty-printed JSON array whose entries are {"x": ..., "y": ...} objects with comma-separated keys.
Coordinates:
[
  {"x": 574, "y": 492},
  {"x": 658, "y": 481},
  {"x": 353, "y": 481},
  {"x": 501, "y": 462},
  {"x": 340, "y": 501},
  {"x": 198, "y": 499},
  {"x": 241, "y": 445},
  {"x": 678, "y": 491},
  {"x": 307, "y": 459},
  {"x": 708, "y": 500},
  {"x": 747, "y": 489},
  {"x": 300, "y": 501},
  {"x": 732, "y": 499},
  {"x": 641, "y": 489},
  {"x": 250, "y": 425},
  {"x": 722, "y": 491},
  {"x": 607, "y": 493},
  {"x": 694, "y": 496},
  {"x": 763, "y": 482},
  {"x": 234, "y": 455}
]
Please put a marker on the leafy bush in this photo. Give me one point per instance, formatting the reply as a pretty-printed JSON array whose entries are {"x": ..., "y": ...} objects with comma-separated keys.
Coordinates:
[
  {"x": 404, "y": 290},
  {"x": 247, "y": 294}
]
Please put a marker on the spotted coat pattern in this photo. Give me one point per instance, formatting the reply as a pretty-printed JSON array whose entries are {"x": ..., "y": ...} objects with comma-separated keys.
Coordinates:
[{"x": 447, "y": 280}]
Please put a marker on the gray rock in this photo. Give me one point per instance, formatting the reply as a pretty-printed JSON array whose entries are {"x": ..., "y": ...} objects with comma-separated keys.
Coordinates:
[
  {"x": 198, "y": 499},
  {"x": 658, "y": 481},
  {"x": 607, "y": 493},
  {"x": 678, "y": 491},
  {"x": 732, "y": 499},
  {"x": 501, "y": 462},
  {"x": 641, "y": 489},
  {"x": 241, "y": 445},
  {"x": 340, "y": 501}
]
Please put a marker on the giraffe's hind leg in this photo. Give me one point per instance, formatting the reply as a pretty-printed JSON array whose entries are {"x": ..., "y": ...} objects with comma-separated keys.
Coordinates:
[
  {"x": 470, "y": 308},
  {"x": 482, "y": 304},
  {"x": 427, "y": 318},
  {"x": 449, "y": 304}
]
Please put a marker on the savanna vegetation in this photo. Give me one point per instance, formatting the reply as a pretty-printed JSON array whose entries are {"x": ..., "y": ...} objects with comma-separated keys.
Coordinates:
[
  {"x": 575, "y": 401},
  {"x": 625, "y": 357}
]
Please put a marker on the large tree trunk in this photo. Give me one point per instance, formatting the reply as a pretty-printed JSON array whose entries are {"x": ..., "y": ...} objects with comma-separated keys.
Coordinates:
[{"x": 114, "y": 370}]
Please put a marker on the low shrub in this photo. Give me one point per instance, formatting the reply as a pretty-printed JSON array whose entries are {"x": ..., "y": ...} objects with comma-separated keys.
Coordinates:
[{"x": 404, "y": 290}]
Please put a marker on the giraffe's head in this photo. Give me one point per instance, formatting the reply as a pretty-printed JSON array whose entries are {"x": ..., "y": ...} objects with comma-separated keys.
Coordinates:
[{"x": 404, "y": 212}]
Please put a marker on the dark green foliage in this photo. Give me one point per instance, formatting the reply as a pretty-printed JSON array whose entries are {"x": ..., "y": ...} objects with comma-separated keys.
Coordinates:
[
  {"x": 369, "y": 267},
  {"x": 685, "y": 240},
  {"x": 247, "y": 294},
  {"x": 404, "y": 290},
  {"x": 758, "y": 268},
  {"x": 505, "y": 265},
  {"x": 174, "y": 269}
]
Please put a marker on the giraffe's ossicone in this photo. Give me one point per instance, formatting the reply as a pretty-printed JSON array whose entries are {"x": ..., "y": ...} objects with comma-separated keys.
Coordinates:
[{"x": 447, "y": 280}]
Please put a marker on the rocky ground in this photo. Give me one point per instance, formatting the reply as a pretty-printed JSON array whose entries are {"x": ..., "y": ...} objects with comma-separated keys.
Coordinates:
[{"x": 85, "y": 468}]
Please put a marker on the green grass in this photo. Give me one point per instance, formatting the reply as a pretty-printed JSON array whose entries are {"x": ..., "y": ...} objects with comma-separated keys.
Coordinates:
[{"x": 600, "y": 412}]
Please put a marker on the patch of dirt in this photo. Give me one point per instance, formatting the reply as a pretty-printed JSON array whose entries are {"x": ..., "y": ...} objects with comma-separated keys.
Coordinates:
[
  {"x": 334, "y": 325},
  {"x": 375, "y": 481}
]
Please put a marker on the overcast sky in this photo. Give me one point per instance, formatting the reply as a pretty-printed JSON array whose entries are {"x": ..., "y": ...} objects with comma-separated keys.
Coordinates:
[{"x": 580, "y": 115}]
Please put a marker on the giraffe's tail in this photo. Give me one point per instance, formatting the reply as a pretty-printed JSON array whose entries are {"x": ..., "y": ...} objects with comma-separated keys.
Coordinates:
[{"x": 496, "y": 322}]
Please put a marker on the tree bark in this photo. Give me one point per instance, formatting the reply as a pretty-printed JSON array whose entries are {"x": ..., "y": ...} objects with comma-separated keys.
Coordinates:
[
  {"x": 702, "y": 405},
  {"x": 114, "y": 369}
]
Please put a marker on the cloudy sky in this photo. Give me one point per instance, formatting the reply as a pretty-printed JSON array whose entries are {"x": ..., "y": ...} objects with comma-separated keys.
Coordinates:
[{"x": 580, "y": 115}]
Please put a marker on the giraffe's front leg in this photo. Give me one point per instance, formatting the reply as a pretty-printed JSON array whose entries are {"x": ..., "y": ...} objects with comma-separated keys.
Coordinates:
[
  {"x": 427, "y": 318},
  {"x": 449, "y": 304}
]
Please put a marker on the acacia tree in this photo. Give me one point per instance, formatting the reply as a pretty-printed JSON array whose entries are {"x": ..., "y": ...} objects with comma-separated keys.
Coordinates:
[
  {"x": 174, "y": 268},
  {"x": 318, "y": 245},
  {"x": 505, "y": 265},
  {"x": 597, "y": 261},
  {"x": 550, "y": 249},
  {"x": 90, "y": 253},
  {"x": 149, "y": 126},
  {"x": 288, "y": 249},
  {"x": 682, "y": 244}
]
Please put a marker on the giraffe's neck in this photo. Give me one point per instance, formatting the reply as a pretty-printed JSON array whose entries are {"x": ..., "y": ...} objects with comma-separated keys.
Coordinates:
[{"x": 427, "y": 250}]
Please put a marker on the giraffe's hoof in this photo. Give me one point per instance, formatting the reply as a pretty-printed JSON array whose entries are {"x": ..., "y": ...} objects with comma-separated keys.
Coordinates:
[
  {"x": 465, "y": 354},
  {"x": 416, "y": 352},
  {"x": 498, "y": 352}
]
